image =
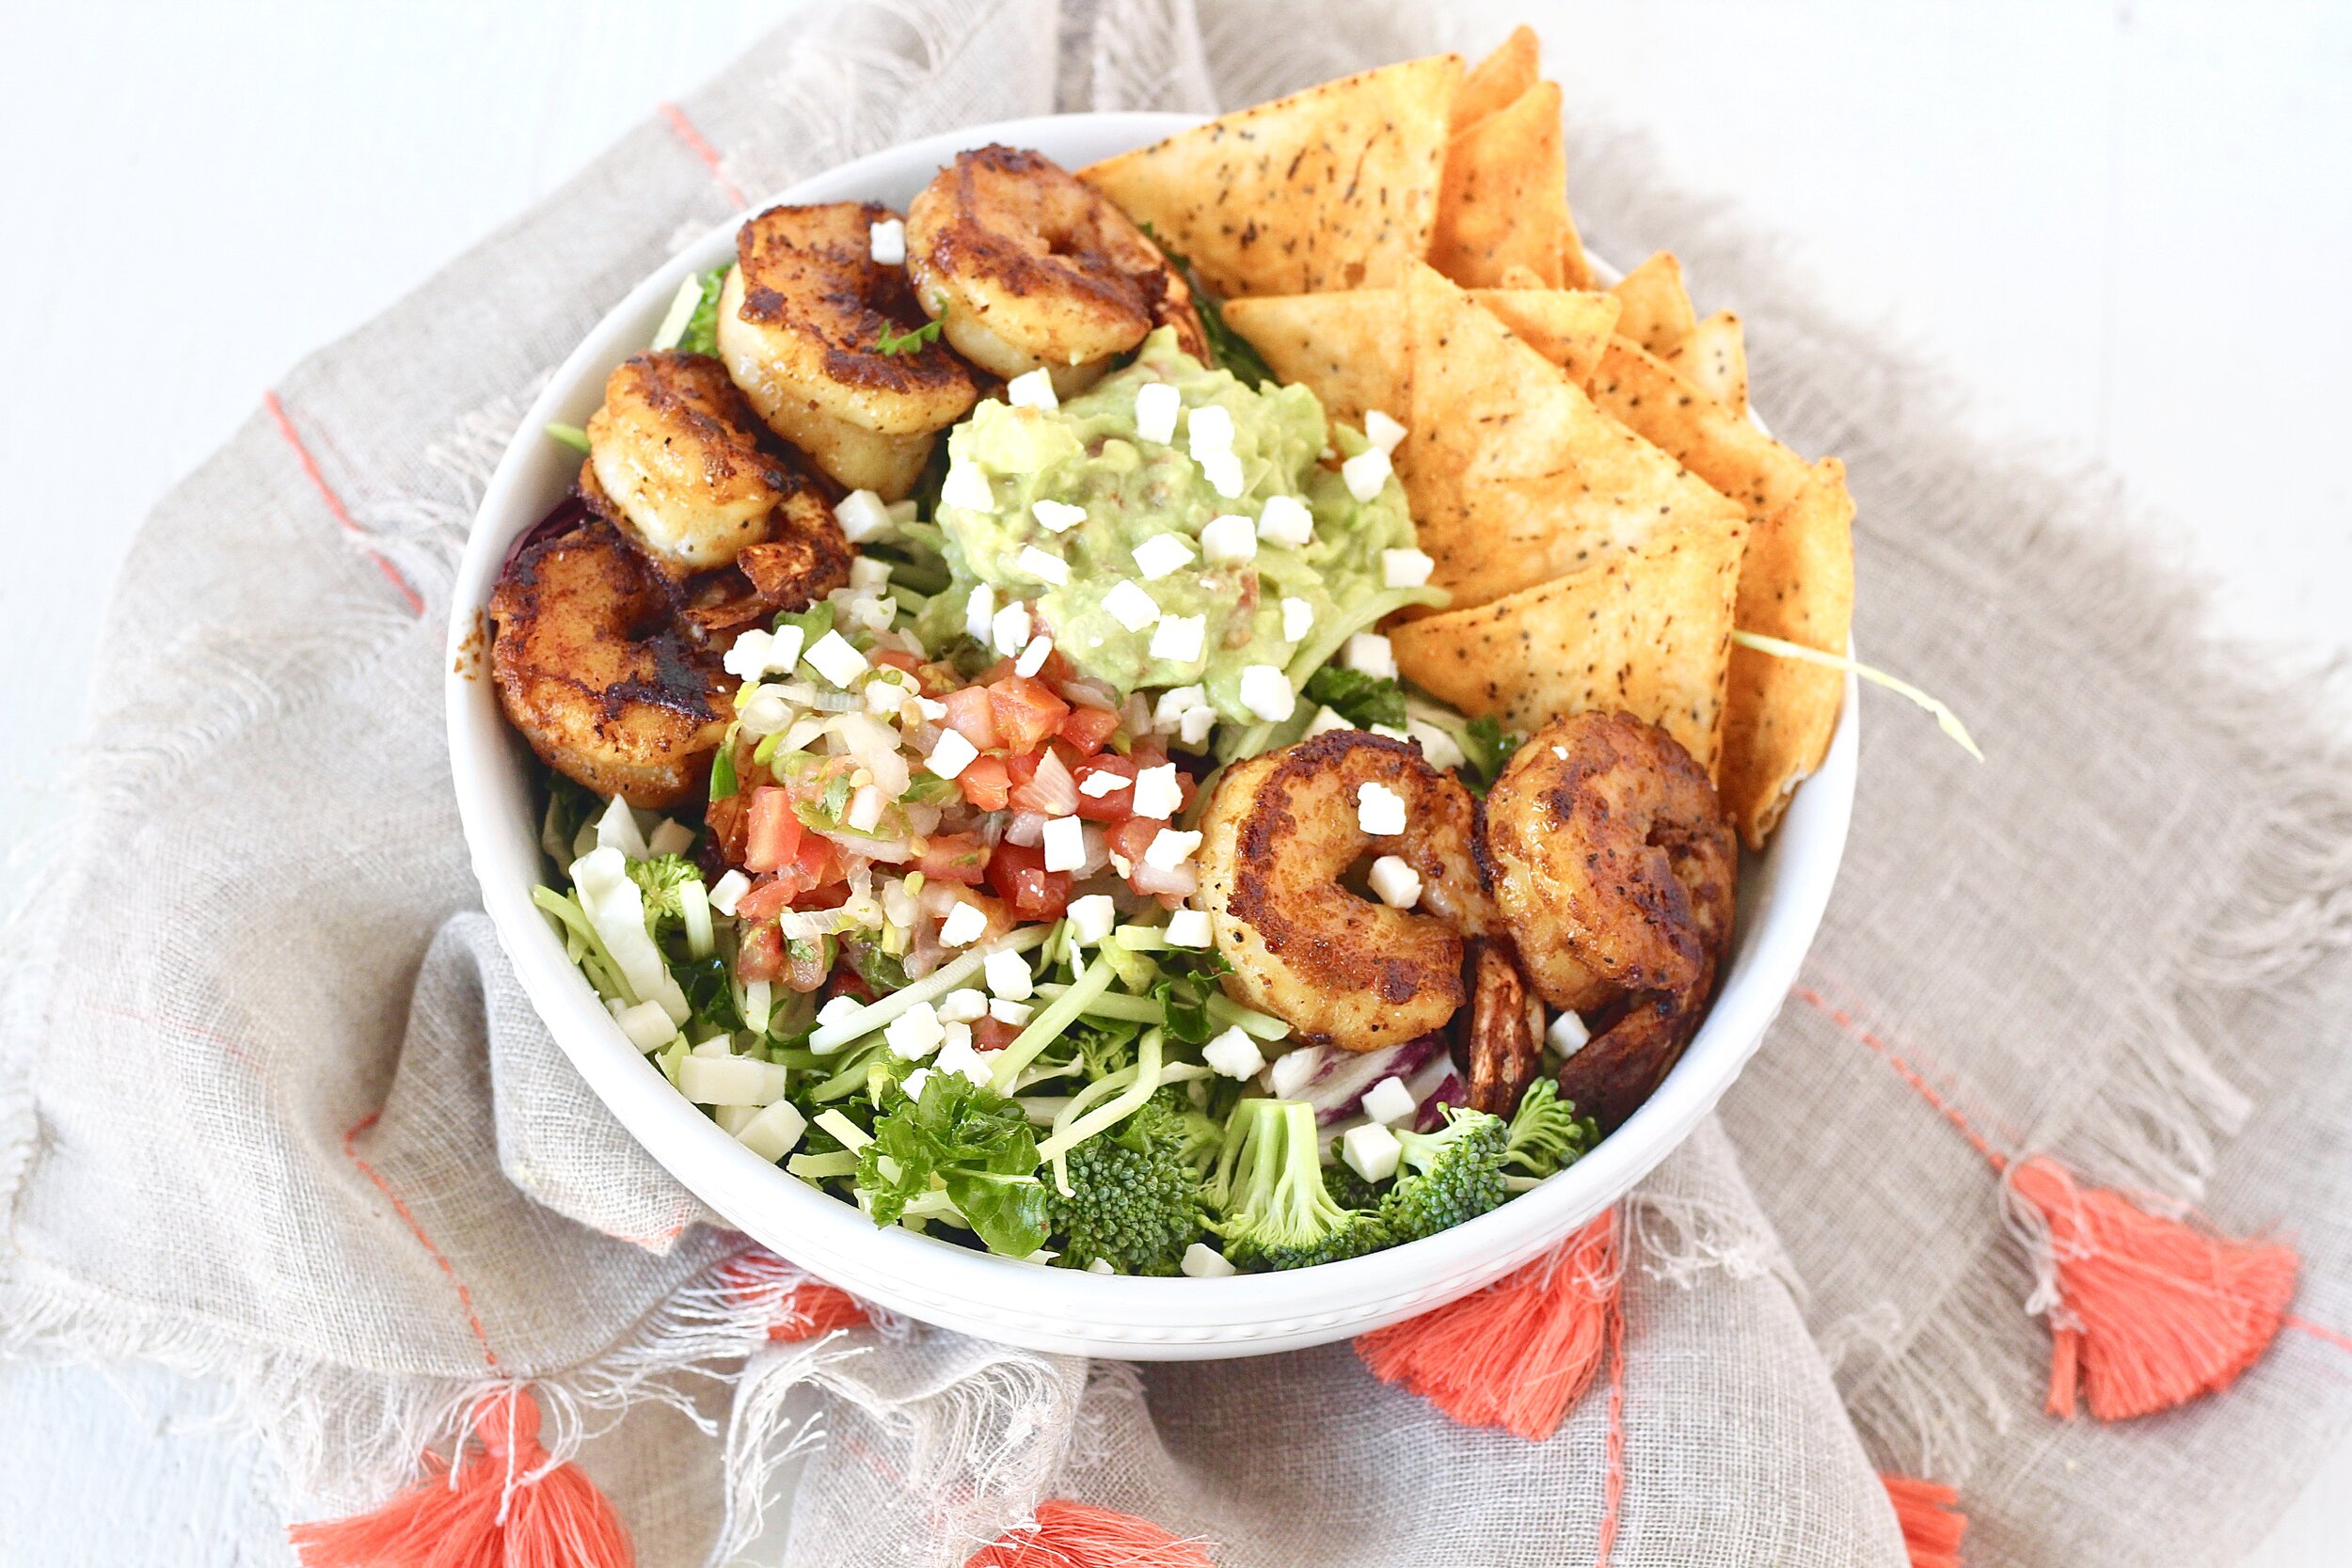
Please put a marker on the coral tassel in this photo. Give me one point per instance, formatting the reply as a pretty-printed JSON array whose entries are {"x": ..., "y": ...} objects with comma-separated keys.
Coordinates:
[
  {"x": 2146, "y": 1312},
  {"x": 1079, "y": 1535},
  {"x": 801, "y": 1308},
  {"x": 1516, "y": 1353},
  {"x": 497, "y": 1512},
  {"x": 1931, "y": 1526}
]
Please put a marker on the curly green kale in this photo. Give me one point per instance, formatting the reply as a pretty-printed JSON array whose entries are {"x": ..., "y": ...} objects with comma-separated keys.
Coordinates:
[
  {"x": 1274, "y": 1211},
  {"x": 1546, "y": 1134},
  {"x": 976, "y": 1146},
  {"x": 1134, "y": 1193},
  {"x": 658, "y": 879},
  {"x": 1446, "y": 1176}
]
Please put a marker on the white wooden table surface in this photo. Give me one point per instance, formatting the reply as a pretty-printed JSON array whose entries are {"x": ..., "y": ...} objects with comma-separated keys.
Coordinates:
[{"x": 2123, "y": 223}]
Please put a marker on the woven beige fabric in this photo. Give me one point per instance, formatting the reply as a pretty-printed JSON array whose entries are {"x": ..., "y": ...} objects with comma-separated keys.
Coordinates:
[{"x": 2123, "y": 941}]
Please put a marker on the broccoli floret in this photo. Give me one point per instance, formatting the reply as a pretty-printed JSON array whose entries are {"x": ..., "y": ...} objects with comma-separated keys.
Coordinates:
[
  {"x": 1545, "y": 1132},
  {"x": 1446, "y": 1176},
  {"x": 658, "y": 879},
  {"x": 1275, "y": 1211},
  {"x": 1347, "y": 1189},
  {"x": 1136, "y": 1193}
]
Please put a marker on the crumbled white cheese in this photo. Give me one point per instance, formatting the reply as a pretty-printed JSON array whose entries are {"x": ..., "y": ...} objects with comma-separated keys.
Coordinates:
[
  {"x": 1171, "y": 847},
  {"x": 1156, "y": 407},
  {"x": 911, "y": 1084},
  {"x": 1382, "y": 431},
  {"x": 1228, "y": 538},
  {"x": 1392, "y": 732},
  {"x": 1222, "y": 470},
  {"x": 1102, "y": 783},
  {"x": 1190, "y": 927},
  {"x": 956, "y": 1055},
  {"x": 1033, "y": 658},
  {"x": 1371, "y": 653},
  {"x": 1323, "y": 721},
  {"x": 1007, "y": 975},
  {"x": 1365, "y": 473},
  {"x": 1234, "y": 1054},
  {"x": 1209, "y": 431},
  {"x": 862, "y": 515},
  {"x": 838, "y": 1008},
  {"x": 1157, "y": 793},
  {"x": 1371, "y": 1151},
  {"x": 1298, "y": 619},
  {"x": 917, "y": 1031},
  {"x": 1178, "y": 639},
  {"x": 886, "y": 242},
  {"x": 1032, "y": 390},
  {"x": 1015, "y": 1013},
  {"x": 1057, "y": 517},
  {"x": 1568, "y": 1034},
  {"x": 1162, "y": 554},
  {"x": 1397, "y": 884},
  {"x": 1406, "y": 568},
  {"x": 1101, "y": 1265},
  {"x": 963, "y": 925},
  {"x": 1175, "y": 703},
  {"x": 1266, "y": 692},
  {"x": 1388, "y": 1101},
  {"x": 1089, "y": 919},
  {"x": 1285, "y": 520},
  {"x": 1379, "y": 810},
  {"x": 1009, "y": 629},
  {"x": 1435, "y": 744},
  {"x": 980, "y": 608},
  {"x": 1130, "y": 606},
  {"x": 1203, "y": 1261},
  {"x": 950, "y": 754},
  {"x": 1052, "y": 569},
  {"x": 967, "y": 487},
  {"x": 964, "y": 1004},
  {"x": 1065, "y": 843},
  {"x": 833, "y": 659}
]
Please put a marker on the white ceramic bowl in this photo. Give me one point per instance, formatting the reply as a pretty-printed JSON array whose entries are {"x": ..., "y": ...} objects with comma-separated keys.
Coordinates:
[{"x": 1782, "y": 897}]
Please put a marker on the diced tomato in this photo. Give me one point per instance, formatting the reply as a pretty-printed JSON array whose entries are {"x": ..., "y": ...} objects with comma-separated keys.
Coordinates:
[
  {"x": 954, "y": 858},
  {"x": 817, "y": 863},
  {"x": 986, "y": 782},
  {"x": 1088, "y": 728},
  {"x": 772, "y": 835},
  {"x": 1018, "y": 873},
  {"x": 1020, "y": 766},
  {"x": 897, "y": 658},
  {"x": 806, "y": 963},
  {"x": 759, "y": 952},
  {"x": 1131, "y": 838},
  {"x": 768, "y": 898},
  {"x": 1025, "y": 711},
  {"x": 971, "y": 715},
  {"x": 845, "y": 981},
  {"x": 994, "y": 1034},
  {"x": 1120, "y": 804}
]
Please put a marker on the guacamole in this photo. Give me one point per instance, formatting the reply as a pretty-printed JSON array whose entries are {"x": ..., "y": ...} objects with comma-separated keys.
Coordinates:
[{"x": 1088, "y": 453}]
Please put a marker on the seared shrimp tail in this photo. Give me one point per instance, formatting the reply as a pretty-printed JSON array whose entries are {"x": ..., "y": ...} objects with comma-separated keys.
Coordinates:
[{"x": 1032, "y": 268}]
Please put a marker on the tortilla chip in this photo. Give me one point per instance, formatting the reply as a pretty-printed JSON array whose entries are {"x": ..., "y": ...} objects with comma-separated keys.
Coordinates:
[
  {"x": 1515, "y": 477},
  {"x": 1497, "y": 80},
  {"x": 1645, "y": 632},
  {"x": 1714, "y": 358},
  {"x": 1657, "y": 313},
  {"x": 1353, "y": 349},
  {"x": 1504, "y": 204},
  {"x": 1335, "y": 187},
  {"x": 1796, "y": 582},
  {"x": 1721, "y": 447}
]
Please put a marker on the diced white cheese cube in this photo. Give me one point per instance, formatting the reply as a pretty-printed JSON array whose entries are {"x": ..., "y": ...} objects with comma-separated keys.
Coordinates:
[
  {"x": 1266, "y": 692},
  {"x": 1157, "y": 793},
  {"x": 1176, "y": 701},
  {"x": 869, "y": 574},
  {"x": 1382, "y": 431},
  {"x": 730, "y": 1081},
  {"x": 979, "y": 612},
  {"x": 1406, "y": 568},
  {"x": 1049, "y": 568},
  {"x": 1234, "y": 1054},
  {"x": 1222, "y": 470},
  {"x": 1178, "y": 639},
  {"x": 1228, "y": 538},
  {"x": 911, "y": 1084},
  {"x": 670, "y": 837},
  {"x": 958, "y": 1043},
  {"x": 1057, "y": 517},
  {"x": 1009, "y": 630},
  {"x": 1194, "y": 727},
  {"x": 1208, "y": 431},
  {"x": 727, "y": 889},
  {"x": 862, "y": 515},
  {"x": 1130, "y": 606},
  {"x": 1189, "y": 929},
  {"x": 1379, "y": 810},
  {"x": 1102, "y": 783},
  {"x": 838, "y": 1008},
  {"x": 1101, "y": 1265},
  {"x": 1008, "y": 977},
  {"x": 1365, "y": 473},
  {"x": 1202, "y": 1262},
  {"x": 1156, "y": 407},
  {"x": 1392, "y": 732},
  {"x": 917, "y": 1031},
  {"x": 747, "y": 660},
  {"x": 1371, "y": 653},
  {"x": 1285, "y": 520},
  {"x": 1005, "y": 1011},
  {"x": 646, "y": 1025},
  {"x": 1171, "y": 847},
  {"x": 1397, "y": 884},
  {"x": 1090, "y": 918},
  {"x": 1298, "y": 619},
  {"x": 1325, "y": 720},
  {"x": 833, "y": 659},
  {"x": 1065, "y": 843},
  {"x": 1568, "y": 1034},
  {"x": 1294, "y": 1070},
  {"x": 967, "y": 487},
  {"x": 1032, "y": 390},
  {"x": 963, "y": 925},
  {"x": 1033, "y": 658},
  {"x": 964, "y": 1004},
  {"x": 775, "y": 1132},
  {"x": 1162, "y": 554},
  {"x": 1435, "y": 744},
  {"x": 950, "y": 754},
  {"x": 886, "y": 242},
  {"x": 783, "y": 649},
  {"x": 956, "y": 1055},
  {"x": 1371, "y": 1151},
  {"x": 734, "y": 1118},
  {"x": 1388, "y": 1101}
]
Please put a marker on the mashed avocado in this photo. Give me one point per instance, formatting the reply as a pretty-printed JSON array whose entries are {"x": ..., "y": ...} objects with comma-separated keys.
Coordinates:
[{"x": 1088, "y": 453}]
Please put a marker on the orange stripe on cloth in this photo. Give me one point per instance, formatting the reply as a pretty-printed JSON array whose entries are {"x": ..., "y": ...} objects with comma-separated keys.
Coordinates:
[
  {"x": 703, "y": 150},
  {"x": 341, "y": 512},
  {"x": 465, "y": 1297}
]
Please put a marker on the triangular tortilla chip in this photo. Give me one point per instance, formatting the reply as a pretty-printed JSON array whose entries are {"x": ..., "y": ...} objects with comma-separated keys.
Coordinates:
[
  {"x": 1499, "y": 79},
  {"x": 1513, "y": 475},
  {"x": 1353, "y": 350},
  {"x": 1657, "y": 313},
  {"x": 1721, "y": 447},
  {"x": 1335, "y": 187},
  {"x": 1504, "y": 204},
  {"x": 1714, "y": 358},
  {"x": 1796, "y": 582},
  {"x": 1645, "y": 632}
]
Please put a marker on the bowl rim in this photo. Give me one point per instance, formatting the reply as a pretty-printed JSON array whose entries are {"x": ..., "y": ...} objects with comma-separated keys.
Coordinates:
[{"x": 1782, "y": 898}]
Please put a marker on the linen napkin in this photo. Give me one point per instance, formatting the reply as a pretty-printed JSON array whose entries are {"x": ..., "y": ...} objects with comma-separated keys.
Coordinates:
[{"x": 272, "y": 1109}]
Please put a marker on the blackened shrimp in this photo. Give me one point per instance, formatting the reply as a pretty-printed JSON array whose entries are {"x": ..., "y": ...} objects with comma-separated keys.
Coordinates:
[
  {"x": 1340, "y": 969},
  {"x": 596, "y": 671},
  {"x": 1613, "y": 868},
  {"x": 806, "y": 318},
  {"x": 1033, "y": 268}
]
